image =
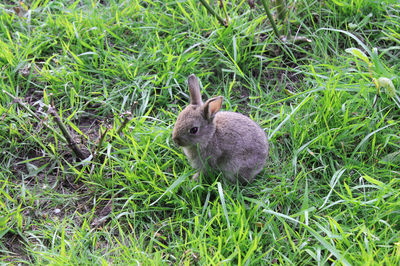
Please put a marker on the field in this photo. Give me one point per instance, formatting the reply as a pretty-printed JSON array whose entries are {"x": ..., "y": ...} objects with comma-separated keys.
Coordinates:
[{"x": 90, "y": 91}]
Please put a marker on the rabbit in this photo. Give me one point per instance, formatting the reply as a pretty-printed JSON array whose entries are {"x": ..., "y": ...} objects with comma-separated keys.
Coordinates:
[{"x": 228, "y": 142}]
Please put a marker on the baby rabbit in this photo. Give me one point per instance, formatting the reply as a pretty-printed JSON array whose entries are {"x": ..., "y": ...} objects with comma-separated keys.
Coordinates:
[{"x": 222, "y": 141}]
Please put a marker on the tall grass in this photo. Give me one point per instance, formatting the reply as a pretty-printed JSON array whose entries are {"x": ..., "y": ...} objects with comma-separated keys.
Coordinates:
[{"x": 329, "y": 193}]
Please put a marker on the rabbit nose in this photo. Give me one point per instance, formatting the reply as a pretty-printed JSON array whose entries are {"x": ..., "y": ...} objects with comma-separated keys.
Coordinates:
[{"x": 177, "y": 140}]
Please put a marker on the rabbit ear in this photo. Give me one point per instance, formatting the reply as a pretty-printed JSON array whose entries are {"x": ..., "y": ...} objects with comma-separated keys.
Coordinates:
[
  {"x": 212, "y": 106},
  {"x": 194, "y": 89}
]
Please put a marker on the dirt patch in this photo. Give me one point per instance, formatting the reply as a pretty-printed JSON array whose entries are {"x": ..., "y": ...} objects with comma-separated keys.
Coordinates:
[
  {"x": 14, "y": 248},
  {"x": 285, "y": 79},
  {"x": 41, "y": 174}
]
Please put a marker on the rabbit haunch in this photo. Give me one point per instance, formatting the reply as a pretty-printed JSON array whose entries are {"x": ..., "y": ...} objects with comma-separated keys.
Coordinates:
[{"x": 223, "y": 141}]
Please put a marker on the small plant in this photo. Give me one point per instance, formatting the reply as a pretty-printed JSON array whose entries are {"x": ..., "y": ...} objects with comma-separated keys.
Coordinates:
[{"x": 380, "y": 74}]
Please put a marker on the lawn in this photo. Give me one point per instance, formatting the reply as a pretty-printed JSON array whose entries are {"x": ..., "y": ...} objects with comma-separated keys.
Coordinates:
[{"x": 90, "y": 91}]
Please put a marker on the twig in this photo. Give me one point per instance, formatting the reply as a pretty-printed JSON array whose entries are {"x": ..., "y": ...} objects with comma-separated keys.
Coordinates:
[
  {"x": 21, "y": 104},
  {"x": 65, "y": 137},
  {"x": 227, "y": 19},
  {"x": 127, "y": 117},
  {"x": 271, "y": 19},
  {"x": 209, "y": 8},
  {"x": 71, "y": 143},
  {"x": 96, "y": 150},
  {"x": 100, "y": 143},
  {"x": 24, "y": 106}
]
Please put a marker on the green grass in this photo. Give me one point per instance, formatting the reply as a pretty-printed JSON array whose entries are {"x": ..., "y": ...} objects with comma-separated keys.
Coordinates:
[{"x": 329, "y": 193}]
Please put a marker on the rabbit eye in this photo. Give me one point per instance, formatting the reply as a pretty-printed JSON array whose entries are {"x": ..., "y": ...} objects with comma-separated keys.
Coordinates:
[{"x": 194, "y": 130}]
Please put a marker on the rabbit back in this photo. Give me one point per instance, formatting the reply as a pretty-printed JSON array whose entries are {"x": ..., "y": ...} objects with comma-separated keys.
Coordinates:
[{"x": 243, "y": 145}]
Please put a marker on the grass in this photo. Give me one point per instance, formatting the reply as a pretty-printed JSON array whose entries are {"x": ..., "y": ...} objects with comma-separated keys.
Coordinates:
[{"x": 329, "y": 193}]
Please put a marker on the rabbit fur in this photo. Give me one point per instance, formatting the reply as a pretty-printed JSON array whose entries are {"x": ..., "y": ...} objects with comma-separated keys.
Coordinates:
[{"x": 228, "y": 142}]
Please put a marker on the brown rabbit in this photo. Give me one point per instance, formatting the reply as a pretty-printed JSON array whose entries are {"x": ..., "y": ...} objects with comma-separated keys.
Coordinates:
[{"x": 223, "y": 141}]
